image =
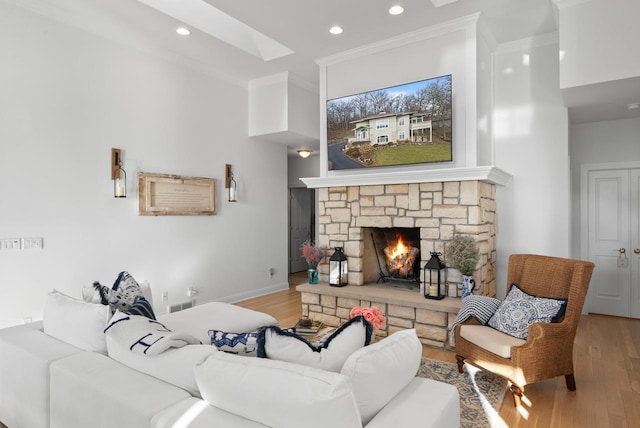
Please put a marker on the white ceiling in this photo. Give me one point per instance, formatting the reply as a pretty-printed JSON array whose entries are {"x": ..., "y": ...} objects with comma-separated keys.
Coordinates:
[{"x": 299, "y": 25}]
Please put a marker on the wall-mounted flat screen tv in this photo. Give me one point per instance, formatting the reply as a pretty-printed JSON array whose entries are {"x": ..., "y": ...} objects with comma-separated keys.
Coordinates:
[{"x": 399, "y": 125}]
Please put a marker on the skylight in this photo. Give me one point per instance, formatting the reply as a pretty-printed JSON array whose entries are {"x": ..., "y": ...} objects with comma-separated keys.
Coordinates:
[{"x": 206, "y": 18}]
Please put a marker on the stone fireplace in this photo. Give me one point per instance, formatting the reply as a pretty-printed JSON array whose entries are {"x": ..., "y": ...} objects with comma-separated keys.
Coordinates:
[
  {"x": 352, "y": 216},
  {"x": 437, "y": 210}
]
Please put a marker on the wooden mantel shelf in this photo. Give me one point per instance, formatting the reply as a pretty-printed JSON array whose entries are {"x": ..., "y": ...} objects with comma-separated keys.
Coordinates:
[
  {"x": 489, "y": 174},
  {"x": 384, "y": 294}
]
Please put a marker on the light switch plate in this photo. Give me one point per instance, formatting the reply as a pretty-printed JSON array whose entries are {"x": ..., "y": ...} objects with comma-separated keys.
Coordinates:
[
  {"x": 32, "y": 243},
  {"x": 10, "y": 244}
]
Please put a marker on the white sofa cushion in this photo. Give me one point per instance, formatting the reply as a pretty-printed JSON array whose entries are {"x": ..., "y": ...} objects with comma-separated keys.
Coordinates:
[
  {"x": 196, "y": 413},
  {"x": 380, "y": 371},
  {"x": 278, "y": 344},
  {"x": 25, "y": 356},
  {"x": 490, "y": 339},
  {"x": 76, "y": 322},
  {"x": 93, "y": 390},
  {"x": 423, "y": 403},
  {"x": 277, "y": 393},
  {"x": 198, "y": 320}
]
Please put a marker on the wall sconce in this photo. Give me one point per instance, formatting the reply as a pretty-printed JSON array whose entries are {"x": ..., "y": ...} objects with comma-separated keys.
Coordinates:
[
  {"x": 304, "y": 153},
  {"x": 230, "y": 183},
  {"x": 118, "y": 175}
]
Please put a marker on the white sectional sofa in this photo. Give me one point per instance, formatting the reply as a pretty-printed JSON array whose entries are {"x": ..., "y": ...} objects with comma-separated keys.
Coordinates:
[{"x": 46, "y": 382}]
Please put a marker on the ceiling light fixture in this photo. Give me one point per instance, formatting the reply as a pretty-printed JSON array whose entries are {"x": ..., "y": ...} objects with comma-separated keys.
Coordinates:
[
  {"x": 304, "y": 153},
  {"x": 335, "y": 30},
  {"x": 633, "y": 106},
  {"x": 396, "y": 10},
  {"x": 183, "y": 31}
]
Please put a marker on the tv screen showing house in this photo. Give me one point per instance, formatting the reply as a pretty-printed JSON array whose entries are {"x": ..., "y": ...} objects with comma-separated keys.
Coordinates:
[{"x": 399, "y": 125}]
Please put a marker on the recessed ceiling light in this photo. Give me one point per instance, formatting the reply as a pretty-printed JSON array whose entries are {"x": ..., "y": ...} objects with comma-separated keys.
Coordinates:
[
  {"x": 396, "y": 10},
  {"x": 183, "y": 31},
  {"x": 633, "y": 106},
  {"x": 335, "y": 30}
]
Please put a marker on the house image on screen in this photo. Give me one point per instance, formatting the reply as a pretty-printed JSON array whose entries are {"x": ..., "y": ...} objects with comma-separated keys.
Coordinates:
[{"x": 386, "y": 128}]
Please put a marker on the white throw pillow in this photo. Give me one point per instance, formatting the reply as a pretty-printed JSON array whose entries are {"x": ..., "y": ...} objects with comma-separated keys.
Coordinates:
[
  {"x": 277, "y": 393},
  {"x": 277, "y": 344},
  {"x": 76, "y": 322},
  {"x": 378, "y": 372}
]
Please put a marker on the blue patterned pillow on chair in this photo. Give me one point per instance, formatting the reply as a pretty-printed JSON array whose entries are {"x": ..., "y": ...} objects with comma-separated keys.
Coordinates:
[{"x": 519, "y": 310}]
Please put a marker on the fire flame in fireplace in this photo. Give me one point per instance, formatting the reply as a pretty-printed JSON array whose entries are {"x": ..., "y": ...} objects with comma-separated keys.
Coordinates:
[
  {"x": 398, "y": 250},
  {"x": 400, "y": 259}
]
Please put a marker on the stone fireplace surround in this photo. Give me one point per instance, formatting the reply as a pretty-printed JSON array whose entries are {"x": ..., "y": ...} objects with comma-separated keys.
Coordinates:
[{"x": 439, "y": 209}]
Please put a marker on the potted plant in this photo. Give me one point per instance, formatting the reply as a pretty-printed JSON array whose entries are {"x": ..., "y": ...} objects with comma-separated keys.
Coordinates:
[
  {"x": 462, "y": 254},
  {"x": 313, "y": 254}
]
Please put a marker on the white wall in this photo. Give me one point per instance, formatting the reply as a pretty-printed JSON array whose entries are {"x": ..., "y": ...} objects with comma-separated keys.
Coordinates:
[
  {"x": 531, "y": 143},
  {"x": 599, "y": 142},
  {"x": 594, "y": 35},
  {"x": 285, "y": 106},
  {"x": 299, "y": 168},
  {"x": 68, "y": 97},
  {"x": 268, "y": 105}
]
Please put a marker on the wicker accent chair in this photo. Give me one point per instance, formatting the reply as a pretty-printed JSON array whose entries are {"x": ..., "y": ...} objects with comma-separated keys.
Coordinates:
[{"x": 548, "y": 350}]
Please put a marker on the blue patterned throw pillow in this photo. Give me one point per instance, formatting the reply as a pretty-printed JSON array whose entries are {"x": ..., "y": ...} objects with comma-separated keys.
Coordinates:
[
  {"x": 122, "y": 295},
  {"x": 519, "y": 310},
  {"x": 235, "y": 343},
  {"x": 141, "y": 307}
]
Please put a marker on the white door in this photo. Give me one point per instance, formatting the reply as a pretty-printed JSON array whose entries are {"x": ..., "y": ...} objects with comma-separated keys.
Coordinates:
[
  {"x": 635, "y": 243},
  {"x": 613, "y": 241},
  {"x": 301, "y": 221}
]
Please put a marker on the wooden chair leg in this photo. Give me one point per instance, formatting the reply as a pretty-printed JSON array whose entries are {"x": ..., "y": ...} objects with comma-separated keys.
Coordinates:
[
  {"x": 517, "y": 392},
  {"x": 571, "y": 382},
  {"x": 460, "y": 360}
]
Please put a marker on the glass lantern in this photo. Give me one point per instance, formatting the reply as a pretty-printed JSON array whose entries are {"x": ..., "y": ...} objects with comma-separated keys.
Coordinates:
[
  {"x": 120, "y": 182},
  {"x": 433, "y": 278},
  {"x": 338, "y": 268}
]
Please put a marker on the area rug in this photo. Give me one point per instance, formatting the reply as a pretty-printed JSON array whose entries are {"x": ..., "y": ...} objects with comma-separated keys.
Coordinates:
[{"x": 481, "y": 393}]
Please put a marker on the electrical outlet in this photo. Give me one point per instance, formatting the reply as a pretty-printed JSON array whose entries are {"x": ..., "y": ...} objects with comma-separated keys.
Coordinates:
[
  {"x": 272, "y": 272},
  {"x": 165, "y": 296},
  {"x": 10, "y": 244},
  {"x": 32, "y": 243}
]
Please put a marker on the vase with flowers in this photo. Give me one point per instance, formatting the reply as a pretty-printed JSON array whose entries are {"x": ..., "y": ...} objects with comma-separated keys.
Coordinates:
[
  {"x": 462, "y": 254},
  {"x": 313, "y": 254},
  {"x": 372, "y": 314}
]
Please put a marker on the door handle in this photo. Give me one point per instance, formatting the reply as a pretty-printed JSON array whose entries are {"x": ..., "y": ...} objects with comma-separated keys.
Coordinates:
[
  {"x": 623, "y": 250},
  {"x": 636, "y": 251}
]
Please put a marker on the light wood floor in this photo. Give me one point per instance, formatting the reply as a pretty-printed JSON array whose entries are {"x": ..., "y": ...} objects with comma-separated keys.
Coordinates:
[{"x": 607, "y": 372}]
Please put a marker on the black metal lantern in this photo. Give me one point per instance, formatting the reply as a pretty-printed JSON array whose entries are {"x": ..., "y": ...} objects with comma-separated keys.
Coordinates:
[
  {"x": 432, "y": 277},
  {"x": 338, "y": 268}
]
